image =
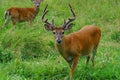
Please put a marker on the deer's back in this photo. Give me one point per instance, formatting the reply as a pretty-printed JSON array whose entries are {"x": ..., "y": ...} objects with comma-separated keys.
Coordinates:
[
  {"x": 83, "y": 40},
  {"x": 22, "y": 14}
]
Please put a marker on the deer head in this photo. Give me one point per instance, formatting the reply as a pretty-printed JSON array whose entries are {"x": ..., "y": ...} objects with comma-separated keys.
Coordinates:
[
  {"x": 37, "y": 3},
  {"x": 58, "y": 31}
]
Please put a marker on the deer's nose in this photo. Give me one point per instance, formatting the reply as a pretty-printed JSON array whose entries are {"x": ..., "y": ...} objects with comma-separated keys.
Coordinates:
[
  {"x": 59, "y": 41},
  {"x": 37, "y": 5}
]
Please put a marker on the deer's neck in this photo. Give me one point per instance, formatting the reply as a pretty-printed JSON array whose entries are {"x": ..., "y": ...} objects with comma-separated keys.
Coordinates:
[
  {"x": 62, "y": 46},
  {"x": 36, "y": 10}
]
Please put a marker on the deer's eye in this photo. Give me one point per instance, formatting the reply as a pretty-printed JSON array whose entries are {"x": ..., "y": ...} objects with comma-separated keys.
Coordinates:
[
  {"x": 62, "y": 32},
  {"x": 53, "y": 32}
]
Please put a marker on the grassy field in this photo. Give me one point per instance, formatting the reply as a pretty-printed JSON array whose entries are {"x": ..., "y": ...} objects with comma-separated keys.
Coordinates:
[{"x": 28, "y": 53}]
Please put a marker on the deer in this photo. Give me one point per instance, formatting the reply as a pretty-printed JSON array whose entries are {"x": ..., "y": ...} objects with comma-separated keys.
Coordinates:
[
  {"x": 83, "y": 42},
  {"x": 16, "y": 14}
]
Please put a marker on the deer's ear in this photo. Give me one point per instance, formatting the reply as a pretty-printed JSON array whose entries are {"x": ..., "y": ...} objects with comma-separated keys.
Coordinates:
[
  {"x": 48, "y": 27},
  {"x": 69, "y": 26}
]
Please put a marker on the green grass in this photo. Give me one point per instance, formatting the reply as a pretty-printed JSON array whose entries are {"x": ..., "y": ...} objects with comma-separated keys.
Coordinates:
[{"x": 28, "y": 53}]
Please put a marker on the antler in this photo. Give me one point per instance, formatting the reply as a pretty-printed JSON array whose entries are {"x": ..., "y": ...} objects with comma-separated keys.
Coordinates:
[
  {"x": 46, "y": 20},
  {"x": 70, "y": 19}
]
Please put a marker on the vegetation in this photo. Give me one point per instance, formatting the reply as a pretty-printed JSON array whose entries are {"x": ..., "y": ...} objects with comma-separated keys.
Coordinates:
[{"x": 28, "y": 53}]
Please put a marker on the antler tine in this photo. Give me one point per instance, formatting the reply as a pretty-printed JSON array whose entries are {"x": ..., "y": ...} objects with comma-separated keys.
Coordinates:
[
  {"x": 70, "y": 19},
  {"x": 44, "y": 16},
  {"x": 44, "y": 13},
  {"x": 64, "y": 22},
  {"x": 74, "y": 16},
  {"x": 45, "y": 7}
]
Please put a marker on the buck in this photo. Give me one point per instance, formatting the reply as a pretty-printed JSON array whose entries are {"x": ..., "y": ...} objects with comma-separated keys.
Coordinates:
[
  {"x": 22, "y": 14},
  {"x": 81, "y": 43}
]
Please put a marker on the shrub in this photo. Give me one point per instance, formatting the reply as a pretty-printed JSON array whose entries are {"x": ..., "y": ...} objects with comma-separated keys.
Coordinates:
[
  {"x": 116, "y": 36},
  {"x": 5, "y": 55}
]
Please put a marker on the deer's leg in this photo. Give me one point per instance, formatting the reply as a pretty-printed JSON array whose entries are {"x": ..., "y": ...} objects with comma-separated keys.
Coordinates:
[
  {"x": 14, "y": 21},
  {"x": 30, "y": 22},
  {"x": 73, "y": 65},
  {"x": 93, "y": 56},
  {"x": 6, "y": 21},
  {"x": 88, "y": 58},
  {"x": 7, "y": 18}
]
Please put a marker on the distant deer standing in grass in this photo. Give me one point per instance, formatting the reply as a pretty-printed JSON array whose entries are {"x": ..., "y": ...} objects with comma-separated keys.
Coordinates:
[
  {"x": 74, "y": 45},
  {"x": 22, "y": 14}
]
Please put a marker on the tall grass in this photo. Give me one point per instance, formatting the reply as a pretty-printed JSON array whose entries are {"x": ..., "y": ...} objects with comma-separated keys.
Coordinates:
[{"x": 28, "y": 53}]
